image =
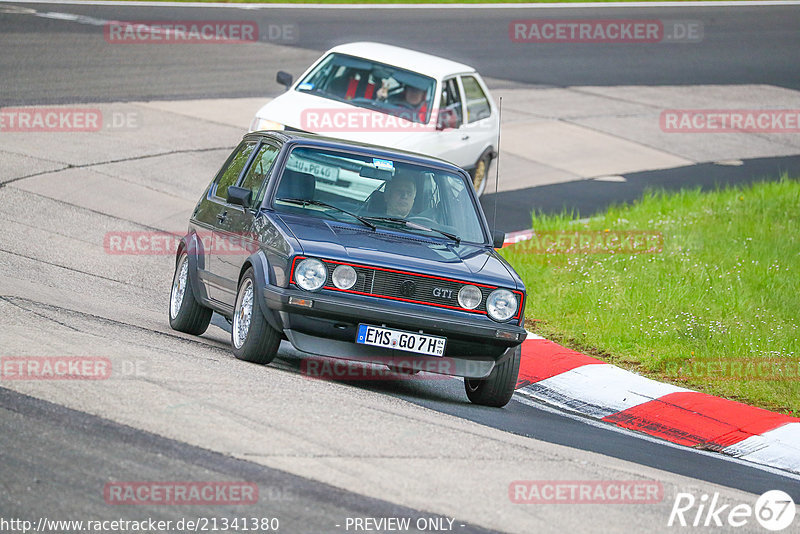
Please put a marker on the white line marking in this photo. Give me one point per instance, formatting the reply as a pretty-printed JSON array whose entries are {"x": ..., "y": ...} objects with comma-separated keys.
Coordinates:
[
  {"x": 610, "y": 178},
  {"x": 532, "y": 336},
  {"x": 777, "y": 447},
  {"x": 82, "y": 19},
  {"x": 599, "y": 390}
]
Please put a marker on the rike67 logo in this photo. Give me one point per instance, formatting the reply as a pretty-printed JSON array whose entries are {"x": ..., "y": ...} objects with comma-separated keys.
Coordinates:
[{"x": 774, "y": 510}]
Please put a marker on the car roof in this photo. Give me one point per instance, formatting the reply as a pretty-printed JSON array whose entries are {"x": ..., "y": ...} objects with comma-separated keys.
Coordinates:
[
  {"x": 421, "y": 62},
  {"x": 308, "y": 138}
]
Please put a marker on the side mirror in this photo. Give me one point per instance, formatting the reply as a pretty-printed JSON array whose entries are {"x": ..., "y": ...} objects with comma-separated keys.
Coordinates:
[
  {"x": 284, "y": 78},
  {"x": 498, "y": 238},
  {"x": 240, "y": 196}
]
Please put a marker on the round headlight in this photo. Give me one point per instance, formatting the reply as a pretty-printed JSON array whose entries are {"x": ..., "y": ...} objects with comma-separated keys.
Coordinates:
[
  {"x": 469, "y": 297},
  {"x": 344, "y": 277},
  {"x": 501, "y": 305},
  {"x": 310, "y": 274}
]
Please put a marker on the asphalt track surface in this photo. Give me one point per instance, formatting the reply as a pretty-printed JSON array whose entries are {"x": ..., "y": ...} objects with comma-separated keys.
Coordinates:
[
  {"x": 72, "y": 452},
  {"x": 585, "y": 198},
  {"x": 55, "y": 61},
  {"x": 48, "y": 60}
]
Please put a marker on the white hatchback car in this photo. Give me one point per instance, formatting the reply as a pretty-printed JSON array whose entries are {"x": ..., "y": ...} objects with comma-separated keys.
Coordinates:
[{"x": 394, "y": 97}]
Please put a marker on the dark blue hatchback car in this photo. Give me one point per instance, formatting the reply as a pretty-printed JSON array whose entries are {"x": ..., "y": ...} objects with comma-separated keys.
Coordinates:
[{"x": 355, "y": 252}]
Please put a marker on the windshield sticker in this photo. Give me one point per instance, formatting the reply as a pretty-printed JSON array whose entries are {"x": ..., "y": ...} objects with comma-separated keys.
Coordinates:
[
  {"x": 384, "y": 164},
  {"x": 305, "y": 87}
]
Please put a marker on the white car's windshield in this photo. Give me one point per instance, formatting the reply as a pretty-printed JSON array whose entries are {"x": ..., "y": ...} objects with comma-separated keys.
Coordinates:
[
  {"x": 372, "y": 85},
  {"x": 378, "y": 192}
]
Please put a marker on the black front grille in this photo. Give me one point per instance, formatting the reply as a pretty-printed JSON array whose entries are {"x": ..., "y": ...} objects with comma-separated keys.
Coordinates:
[
  {"x": 392, "y": 284},
  {"x": 363, "y": 278}
]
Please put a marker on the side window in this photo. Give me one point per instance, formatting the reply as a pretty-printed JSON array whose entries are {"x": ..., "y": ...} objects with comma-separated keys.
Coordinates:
[
  {"x": 477, "y": 104},
  {"x": 228, "y": 176},
  {"x": 451, "y": 100},
  {"x": 259, "y": 170}
]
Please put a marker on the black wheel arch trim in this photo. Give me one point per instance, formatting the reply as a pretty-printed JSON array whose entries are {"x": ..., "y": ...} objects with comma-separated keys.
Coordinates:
[
  {"x": 192, "y": 246},
  {"x": 260, "y": 264}
]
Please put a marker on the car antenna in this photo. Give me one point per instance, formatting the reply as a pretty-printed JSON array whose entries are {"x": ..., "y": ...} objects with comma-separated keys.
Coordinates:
[{"x": 497, "y": 166}]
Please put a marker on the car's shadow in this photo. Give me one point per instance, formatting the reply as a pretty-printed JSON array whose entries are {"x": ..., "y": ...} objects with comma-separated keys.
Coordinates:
[{"x": 423, "y": 386}]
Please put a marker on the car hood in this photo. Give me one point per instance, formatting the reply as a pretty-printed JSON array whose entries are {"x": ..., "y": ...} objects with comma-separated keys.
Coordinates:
[
  {"x": 323, "y": 116},
  {"x": 396, "y": 250}
]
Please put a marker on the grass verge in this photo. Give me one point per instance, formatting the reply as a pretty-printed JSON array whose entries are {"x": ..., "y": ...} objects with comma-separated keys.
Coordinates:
[{"x": 716, "y": 310}]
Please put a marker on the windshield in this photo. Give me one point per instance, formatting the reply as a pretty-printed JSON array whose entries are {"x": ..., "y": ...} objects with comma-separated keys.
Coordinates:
[
  {"x": 377, "y": 192},
  {"x": 372, "y": 85}
]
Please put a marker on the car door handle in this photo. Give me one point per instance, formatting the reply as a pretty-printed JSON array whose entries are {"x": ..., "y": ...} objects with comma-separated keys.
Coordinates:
[
  {"x": 222, "y": 216},
  {"x": 464, "y": 137}
]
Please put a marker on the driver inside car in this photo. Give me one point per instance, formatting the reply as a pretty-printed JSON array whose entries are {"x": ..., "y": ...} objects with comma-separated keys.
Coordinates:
[{"x": 400, "y": 195}]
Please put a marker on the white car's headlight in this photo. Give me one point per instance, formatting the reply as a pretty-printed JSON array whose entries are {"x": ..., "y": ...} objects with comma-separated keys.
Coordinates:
[
  {"x": 344, "y": 277},
  {"x": 310, "y": 274},
  {"x": 259, "y": 124},
  {"x": 501, "y": 304},
  {"x": 469, "y": 297}
]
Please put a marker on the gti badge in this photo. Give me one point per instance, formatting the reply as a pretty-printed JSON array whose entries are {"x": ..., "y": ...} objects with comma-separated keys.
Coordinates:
[{"x": 444, "y": 293}]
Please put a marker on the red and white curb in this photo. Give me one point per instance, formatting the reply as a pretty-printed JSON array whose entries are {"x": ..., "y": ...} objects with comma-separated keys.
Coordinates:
[{"x": 578, "y": 383}]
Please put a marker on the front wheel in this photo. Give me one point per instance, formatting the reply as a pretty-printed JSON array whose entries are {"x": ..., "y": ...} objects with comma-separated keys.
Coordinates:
[
  {"x": 185, "y": 313},
  {"x": 253, "y": 339},
  {"x": 481, "y": 173},
  {"x": 496, "y": 390}
]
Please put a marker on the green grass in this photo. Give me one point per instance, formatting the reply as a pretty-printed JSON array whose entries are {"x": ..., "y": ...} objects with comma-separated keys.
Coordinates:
[{"x": 724, "y": 289}]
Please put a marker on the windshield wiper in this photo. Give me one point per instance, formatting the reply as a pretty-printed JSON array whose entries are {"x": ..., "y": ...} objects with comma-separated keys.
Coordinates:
[
  {"x": 416, "y": 226},
  {"x": 306, "y": 202}
]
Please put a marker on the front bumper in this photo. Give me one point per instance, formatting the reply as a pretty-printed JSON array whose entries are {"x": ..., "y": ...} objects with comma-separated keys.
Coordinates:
[{"x": 474, "y": 344}]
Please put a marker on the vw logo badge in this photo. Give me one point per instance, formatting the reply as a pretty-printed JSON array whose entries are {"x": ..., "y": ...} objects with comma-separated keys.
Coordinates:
[{"x": 407, "y": 288}]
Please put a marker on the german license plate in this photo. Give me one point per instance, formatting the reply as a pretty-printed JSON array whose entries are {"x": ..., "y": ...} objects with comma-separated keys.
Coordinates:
[
  {"x": 400, "y": 340},
  {"x": 324, "y": 172}
]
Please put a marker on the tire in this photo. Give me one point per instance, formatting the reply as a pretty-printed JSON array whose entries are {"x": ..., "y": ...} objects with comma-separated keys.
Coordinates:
[
  {"x": 496, "y": 390},
  {"x": 252, "y": 338},
  {"x": 480, "y": 173},
  {"x": 185, "y": 313}
]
